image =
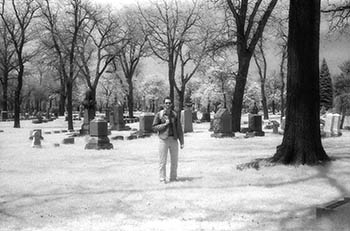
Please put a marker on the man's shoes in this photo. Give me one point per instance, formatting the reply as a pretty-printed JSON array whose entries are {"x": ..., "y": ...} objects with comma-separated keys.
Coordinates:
[
  {"x": 163, "y": 181},
  {"x": 174, "y": 180}
]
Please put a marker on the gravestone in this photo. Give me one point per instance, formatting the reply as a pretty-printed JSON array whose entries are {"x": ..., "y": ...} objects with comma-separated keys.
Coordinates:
[
  {"x": 186, "y": 120},
  {"x": 68, "y": 140},
  {"x": 335, "y": 213},
  {"x": 89, "y": 104},
  {"x": 328, "y": 125},
  {"x": 255, "y": 124},
  {"x": 36, "y": 143},
  {"x": 4, "y": 115},
  {"x": 117, "y": 119},
  {"x": 283, "y": 123},
  {"x": 346, "y": 124},
  {"x": 336, "y": 125},
  {"x": 98, "y": 135},
  {"x": 32, "y": 132},
  {"x": 146, "y": 121},
  {"x": 222, "y": 124}
]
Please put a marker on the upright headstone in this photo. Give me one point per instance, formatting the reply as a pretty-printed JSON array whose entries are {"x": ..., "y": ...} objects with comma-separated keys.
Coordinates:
[
  {"x": 222, "y": 124},
  {"x": 98, "y": 135},
  {"x": 328, "y": 125},
  {"x": 89, "y": 112},
  {"x": 186, "y": 120},
  {"x": 36, "y": 143},
  {"x": 255, "y": 124},
  {"x": 346, "y": 124},
  {"x": 146, "y": 121},
  {"x": 283, "y": 123},
  {"x": 336, "y": 125},
  {"x": 107, "y": 115},
  {"x": 117, "y": 120},
  {"x": 4, "y": 115}
]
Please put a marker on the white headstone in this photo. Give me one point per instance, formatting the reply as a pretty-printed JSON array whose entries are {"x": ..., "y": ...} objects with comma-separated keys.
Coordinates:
[
  {"x": 36, "y": 140},
  {"x": 336, "y": 125},
  {"x": 328, "y": 125},
  {"x": 346, "y": 124}
]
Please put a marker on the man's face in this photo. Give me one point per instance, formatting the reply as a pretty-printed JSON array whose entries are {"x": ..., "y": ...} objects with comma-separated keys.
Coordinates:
[{"x": 167, "y": 103}]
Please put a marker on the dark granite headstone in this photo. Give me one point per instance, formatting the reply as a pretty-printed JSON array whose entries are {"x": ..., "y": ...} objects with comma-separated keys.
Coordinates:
[
  {"x": 4, "y": 115},
  {"x": 98, "y": 135},
  {"x": 68, "y": 140},
  {"x": 117, "y": 119},
  {"x": 186, "y": 120},
  {"x": 222, "y": 124},
  {"x": 146, "y": 121},
  {"x": 255, "y": 124}
]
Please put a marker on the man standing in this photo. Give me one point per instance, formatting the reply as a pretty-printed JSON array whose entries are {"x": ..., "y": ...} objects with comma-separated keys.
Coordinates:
[{"x": 168, "y": 125}]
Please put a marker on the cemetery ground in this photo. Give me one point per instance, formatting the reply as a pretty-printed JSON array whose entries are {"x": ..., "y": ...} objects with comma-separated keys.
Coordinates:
[{"x": 69, "y": 188}]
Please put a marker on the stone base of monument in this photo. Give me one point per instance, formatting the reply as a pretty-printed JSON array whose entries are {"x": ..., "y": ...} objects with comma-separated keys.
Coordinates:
[
  {"x": 337, "y": 212},
  {"x": 99, "y": 143},
  {"x": 222, "y": 135}
]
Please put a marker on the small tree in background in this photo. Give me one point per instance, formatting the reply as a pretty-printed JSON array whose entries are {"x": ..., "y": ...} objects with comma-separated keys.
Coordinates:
[{"x": 326, "y": 92}]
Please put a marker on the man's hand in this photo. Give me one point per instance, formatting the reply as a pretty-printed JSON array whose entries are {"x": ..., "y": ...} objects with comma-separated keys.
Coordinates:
[{"x": 182, "y": 146}]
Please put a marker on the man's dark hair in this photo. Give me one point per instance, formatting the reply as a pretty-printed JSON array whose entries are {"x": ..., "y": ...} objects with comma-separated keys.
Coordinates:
[{"x": 168, "y": 97}]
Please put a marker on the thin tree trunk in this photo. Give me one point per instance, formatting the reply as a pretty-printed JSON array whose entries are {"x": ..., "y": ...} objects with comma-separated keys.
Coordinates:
[
  {"x": 4, "y": 92},
  {"x": 18, "y": 96},
  {"x": 282, "y": 84},
  {"x": 302, "y": 140},
  {"x": 237, "y": 99},
  {"x": 131, "y": 98},
  {"x": 69, "y": 104},
  {"x": 264, "y": 101}
]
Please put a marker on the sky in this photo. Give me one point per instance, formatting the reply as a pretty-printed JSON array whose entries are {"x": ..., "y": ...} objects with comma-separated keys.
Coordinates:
[{"x": 118, "y": 3}]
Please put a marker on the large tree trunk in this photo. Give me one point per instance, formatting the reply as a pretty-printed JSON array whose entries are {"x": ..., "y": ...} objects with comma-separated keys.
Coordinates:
[
  {"x": 237, "y": 99},
  {"x": 302, "y": 140}
]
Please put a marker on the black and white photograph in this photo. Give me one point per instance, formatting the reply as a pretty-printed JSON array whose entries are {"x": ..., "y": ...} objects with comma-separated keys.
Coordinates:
[{"x": 174, "y": 115}]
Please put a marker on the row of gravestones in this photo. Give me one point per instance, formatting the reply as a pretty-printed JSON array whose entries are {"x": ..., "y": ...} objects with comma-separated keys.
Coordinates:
[
  {"x": 330, "y": 126},
  {"x": 221, "y": 125}
]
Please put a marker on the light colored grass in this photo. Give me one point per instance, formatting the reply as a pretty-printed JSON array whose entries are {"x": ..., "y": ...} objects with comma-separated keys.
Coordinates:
[{"x": 69, "y": 188}]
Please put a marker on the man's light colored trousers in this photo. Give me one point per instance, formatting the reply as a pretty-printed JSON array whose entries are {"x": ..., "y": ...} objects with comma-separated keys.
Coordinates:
[{"x": 170, "y": 144}]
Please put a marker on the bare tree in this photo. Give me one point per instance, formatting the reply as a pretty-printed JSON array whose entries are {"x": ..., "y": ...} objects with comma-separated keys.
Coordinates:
[
  {"x": 133, "y": 49},
  {"x": 96, "y": 50},
  {"x": 7, "y": 63},
  {"x": 169, "y": 24},
  {"x": 191, "y": 55},
  {"x": 63, "y": 34},
  {"x": 17, "y": 17},
  {"x": 248, "y": 18},
  {"x": 339, "y": 13},
  {"x": 302, "y": 140},
  {"x": 261, "y": 63}
]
